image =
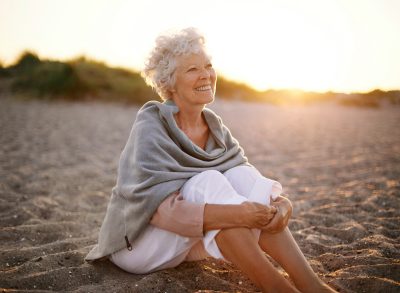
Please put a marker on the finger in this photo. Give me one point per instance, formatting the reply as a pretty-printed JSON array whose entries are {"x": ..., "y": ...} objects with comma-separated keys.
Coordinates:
[
  {"x": 270, "y": 216},
  {"x": 269, "y": 211},
  {"x": 272, "y": 225},
  {"x": 266, "y": 219}
]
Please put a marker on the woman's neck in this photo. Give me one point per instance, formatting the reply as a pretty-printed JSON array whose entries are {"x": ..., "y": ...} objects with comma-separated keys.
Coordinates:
[
  {"x": 189, "y": 119},
  {"x": 190, "y": 116}
]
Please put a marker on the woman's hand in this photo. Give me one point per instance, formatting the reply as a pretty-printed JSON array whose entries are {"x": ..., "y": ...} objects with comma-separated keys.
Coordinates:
[
  {"x": 256, "y": 215},
  {"x": 282, "y": 216}
]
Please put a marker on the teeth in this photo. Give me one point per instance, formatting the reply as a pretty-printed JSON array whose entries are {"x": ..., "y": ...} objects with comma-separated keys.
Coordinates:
[{"x": 204, "y": 88}]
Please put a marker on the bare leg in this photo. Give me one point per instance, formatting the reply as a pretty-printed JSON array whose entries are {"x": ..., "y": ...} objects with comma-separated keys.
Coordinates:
[
  {"x": 239, "y": 246},
  {"x": 283, "y": 248}
]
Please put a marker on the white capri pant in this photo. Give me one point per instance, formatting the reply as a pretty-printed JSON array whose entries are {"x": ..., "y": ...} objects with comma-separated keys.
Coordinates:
[{"x": 157, "y": 249}]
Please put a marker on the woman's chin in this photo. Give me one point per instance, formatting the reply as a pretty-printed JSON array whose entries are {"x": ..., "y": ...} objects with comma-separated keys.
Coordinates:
[
  {"x": 207, "y": 99},
  {"x": 211, "y": 100}
]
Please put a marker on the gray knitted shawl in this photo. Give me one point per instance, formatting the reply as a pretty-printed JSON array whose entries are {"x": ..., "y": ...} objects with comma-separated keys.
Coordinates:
[{"x": 156, "y": 161}]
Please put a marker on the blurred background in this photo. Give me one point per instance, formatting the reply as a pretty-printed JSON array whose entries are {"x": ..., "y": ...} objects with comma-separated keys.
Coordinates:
[{"x": 281, "y": 52}]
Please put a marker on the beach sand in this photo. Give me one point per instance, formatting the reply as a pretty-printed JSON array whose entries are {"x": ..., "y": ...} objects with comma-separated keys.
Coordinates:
[{"x": 339, "y": 165}]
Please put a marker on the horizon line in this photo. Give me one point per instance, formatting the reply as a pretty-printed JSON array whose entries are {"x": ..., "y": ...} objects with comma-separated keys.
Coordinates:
[{"x": 238, "y": 82}]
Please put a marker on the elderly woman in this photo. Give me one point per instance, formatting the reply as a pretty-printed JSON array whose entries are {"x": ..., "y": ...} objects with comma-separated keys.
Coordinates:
[{"x": 185, "y": 190}]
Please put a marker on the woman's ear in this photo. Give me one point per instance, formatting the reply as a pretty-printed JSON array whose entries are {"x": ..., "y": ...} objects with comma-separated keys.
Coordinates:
[{"x": 170, "y": 93}]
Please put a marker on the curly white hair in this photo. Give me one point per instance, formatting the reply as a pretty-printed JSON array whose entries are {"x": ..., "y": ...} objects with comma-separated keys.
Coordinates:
[{"x": 160, "y": 65}]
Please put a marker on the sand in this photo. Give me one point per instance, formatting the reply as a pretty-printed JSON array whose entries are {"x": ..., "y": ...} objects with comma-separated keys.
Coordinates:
[{"x": 58, "y": 162}]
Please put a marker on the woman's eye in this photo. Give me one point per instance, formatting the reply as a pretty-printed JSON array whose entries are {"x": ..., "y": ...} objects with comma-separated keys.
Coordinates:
[
  {"x": 192, "y": 69},
  {"x": 209, "y": 65}
]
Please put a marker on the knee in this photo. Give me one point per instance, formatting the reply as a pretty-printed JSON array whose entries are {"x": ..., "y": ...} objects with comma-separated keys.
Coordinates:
[
  {"x": 241, "y": 172},
  {"x": 209, "y": 175},
  {"x": 197, "y": 186},
  {"x": 209, "y": 186}
]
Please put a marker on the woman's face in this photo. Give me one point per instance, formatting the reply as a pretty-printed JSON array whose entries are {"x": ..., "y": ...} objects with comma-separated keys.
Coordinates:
[{"x": 195, "y": 80}]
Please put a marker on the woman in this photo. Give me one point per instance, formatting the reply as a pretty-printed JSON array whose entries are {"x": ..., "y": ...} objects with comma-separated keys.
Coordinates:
[{"x": 185, "y": 190}]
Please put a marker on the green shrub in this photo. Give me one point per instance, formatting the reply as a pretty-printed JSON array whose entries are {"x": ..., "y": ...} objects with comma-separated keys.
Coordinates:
[
  {"x": 48, "y": 79},
  {"x": 26, "y": 62},
  {"x": 112, "y": 84}
]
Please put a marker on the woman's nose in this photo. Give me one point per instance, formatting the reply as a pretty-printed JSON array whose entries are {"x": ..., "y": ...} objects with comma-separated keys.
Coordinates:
[{"x": 205, "y": 73}]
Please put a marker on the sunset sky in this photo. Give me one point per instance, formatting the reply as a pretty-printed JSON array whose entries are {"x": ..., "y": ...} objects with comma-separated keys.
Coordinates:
[{"x": 315, "y": 45}]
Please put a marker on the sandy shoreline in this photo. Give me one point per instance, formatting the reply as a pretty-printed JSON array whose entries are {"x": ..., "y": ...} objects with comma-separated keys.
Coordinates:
[{"x": 58, "y": 161}]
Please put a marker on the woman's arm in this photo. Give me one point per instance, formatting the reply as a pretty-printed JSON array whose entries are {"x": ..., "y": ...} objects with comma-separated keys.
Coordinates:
[
  {"x": 247, "y": 214},
  {"x": 194, "y": 219}
]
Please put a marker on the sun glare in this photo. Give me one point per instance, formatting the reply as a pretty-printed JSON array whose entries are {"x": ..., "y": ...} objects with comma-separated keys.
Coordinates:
[{"x": 289, "y": 50}]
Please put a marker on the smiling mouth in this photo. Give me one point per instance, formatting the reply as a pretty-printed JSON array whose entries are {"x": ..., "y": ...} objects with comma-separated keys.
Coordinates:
[{"x": 203, "y": 88}]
